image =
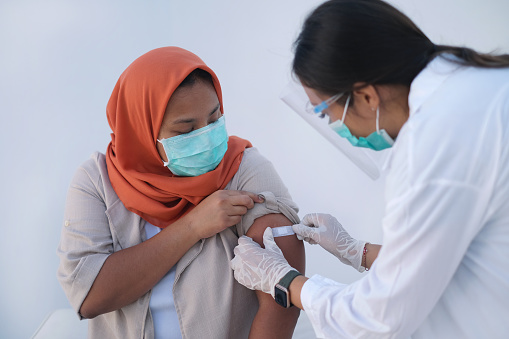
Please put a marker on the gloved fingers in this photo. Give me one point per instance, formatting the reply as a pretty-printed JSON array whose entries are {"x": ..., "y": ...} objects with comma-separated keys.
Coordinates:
[
  {"x": 247, "y": 281},
  {"x": 267, "y": 234},
  {"x": 307, "y": 233},
  {"x": 245, "y": 240},
  {"x": 241, "y": 265},
  {"x": 319, "y": 219},
  {"x": 246, "y": 244},
  {"x": 268, "y": 241},
  {"x": 301, "y": 231},
  {"x": 308, "y": 240},
  {"x": 310, "y": 220},
  {"x": 245, "y": 266},
  {"x": 235, "y": 263},
  {"x": 243, "y": 276}
]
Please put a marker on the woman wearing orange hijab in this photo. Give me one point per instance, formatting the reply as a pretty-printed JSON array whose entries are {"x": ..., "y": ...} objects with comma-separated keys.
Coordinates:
[{"x": 150, "y": 226}]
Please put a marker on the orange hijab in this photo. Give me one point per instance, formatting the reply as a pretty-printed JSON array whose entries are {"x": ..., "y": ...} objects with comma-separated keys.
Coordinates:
[{"x": 135, "y": 112}]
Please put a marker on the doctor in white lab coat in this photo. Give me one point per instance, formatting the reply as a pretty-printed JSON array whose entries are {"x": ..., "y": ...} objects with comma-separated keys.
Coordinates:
[{"x": 443, "y": 269}]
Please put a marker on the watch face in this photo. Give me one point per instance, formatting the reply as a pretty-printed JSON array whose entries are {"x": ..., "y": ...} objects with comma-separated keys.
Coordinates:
[{"x": 281, "y": 296}]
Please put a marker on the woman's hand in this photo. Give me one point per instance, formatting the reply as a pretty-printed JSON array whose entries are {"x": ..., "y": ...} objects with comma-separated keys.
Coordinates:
[
  {"x": 325, "y": 230},
  {"x": 130, "y": 273},
  {"x": 220, "y": 210}
]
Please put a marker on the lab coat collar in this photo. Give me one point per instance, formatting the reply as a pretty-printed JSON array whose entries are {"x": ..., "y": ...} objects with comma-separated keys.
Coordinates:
[{"x": 430, "y": 79}]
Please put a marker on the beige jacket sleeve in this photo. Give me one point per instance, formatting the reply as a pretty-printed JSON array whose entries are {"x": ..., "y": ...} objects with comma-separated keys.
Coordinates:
[
  {"x": 257, "y": 174},
  {"x": 86, "y": 240}
]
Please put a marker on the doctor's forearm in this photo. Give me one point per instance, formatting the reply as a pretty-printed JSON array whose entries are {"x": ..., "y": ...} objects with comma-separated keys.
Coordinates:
[
  {"x": 295, "y": 287},
  {"x": 372, "y": 251}
]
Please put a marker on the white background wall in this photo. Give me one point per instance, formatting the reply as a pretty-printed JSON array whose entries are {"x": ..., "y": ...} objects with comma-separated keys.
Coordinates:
[{"x": 59, "y": 61}]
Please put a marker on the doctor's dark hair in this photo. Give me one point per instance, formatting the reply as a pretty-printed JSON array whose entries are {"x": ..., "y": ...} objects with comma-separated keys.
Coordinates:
[{"x": 347, "y": 41}]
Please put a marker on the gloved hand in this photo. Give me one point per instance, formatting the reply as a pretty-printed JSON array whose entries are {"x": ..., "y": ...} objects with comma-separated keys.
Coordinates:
[
  {"x": 325, "y": 230},
  {"x": 259, "y": 268}
]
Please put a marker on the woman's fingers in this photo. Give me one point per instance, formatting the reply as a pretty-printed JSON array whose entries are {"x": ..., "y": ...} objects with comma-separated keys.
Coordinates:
[
  {"x": 241, "y": 200},
  {"x": 237, "y": 210},
  {"x": 234, "y": 220},
  {"x": 254, "y": 197},
  {"x": 223, "y": 208}
]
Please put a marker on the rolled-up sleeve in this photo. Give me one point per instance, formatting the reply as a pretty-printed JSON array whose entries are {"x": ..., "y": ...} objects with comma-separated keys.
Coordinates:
[
  {"x": 86, "y": 240},
  {"x": 427, "y": 231},
  {"x": 257, "y": 174}
]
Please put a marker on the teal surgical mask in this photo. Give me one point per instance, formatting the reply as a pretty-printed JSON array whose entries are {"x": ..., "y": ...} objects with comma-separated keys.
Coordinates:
[
  {"x": 377, "y": 140},
  {"x": 196, "y": 152}
]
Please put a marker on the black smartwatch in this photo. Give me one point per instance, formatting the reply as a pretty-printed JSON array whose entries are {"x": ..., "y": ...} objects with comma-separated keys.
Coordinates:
[{"x": 281, "y": 292}]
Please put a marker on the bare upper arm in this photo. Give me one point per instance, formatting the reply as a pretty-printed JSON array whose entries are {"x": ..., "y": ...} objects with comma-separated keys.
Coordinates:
[
  {"x": 292, "y": 248},
  {"x": 273, "y": 321}
]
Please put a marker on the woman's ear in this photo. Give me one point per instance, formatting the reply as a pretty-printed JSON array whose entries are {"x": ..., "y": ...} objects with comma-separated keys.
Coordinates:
[{"x": 366, "y": 99}]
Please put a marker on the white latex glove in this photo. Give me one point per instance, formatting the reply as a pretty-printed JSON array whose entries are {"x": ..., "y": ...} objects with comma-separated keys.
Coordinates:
[
  {"x": 259, "y": 268},
  {"x": 325, "y": 230}
]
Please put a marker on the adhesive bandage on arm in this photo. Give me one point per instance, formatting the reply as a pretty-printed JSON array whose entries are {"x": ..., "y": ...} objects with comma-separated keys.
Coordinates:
[{"x": 282, "y": 231}]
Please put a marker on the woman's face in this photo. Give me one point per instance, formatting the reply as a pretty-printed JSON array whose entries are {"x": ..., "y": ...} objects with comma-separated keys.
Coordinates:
[{"x": 189, "y": 108}]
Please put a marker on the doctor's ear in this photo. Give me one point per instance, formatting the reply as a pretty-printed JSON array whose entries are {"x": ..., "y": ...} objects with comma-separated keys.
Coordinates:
[{"x": 366, "y": 99}]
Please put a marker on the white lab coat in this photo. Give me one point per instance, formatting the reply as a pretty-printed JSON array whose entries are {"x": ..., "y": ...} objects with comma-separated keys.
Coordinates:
[{"x": 443, "y": 271}]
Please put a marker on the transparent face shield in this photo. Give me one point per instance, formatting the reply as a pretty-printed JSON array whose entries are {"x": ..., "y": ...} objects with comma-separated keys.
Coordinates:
[{"x": 370, "y": 162}]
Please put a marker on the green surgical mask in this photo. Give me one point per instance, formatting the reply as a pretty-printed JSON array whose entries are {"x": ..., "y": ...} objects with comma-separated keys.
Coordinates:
[
  {"x": 377, "y": 140},
  {"x": 197, "y": 152}
]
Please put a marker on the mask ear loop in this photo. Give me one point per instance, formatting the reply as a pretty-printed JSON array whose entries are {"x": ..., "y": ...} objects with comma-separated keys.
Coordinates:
[
  {"x": 346, "y": 108},
  {"x": 377, "y": 117},
  {"x": 165, "y": 163}
]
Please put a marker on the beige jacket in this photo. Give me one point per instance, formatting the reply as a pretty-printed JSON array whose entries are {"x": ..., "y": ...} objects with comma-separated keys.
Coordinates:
[{"x": 208, "y": 300}]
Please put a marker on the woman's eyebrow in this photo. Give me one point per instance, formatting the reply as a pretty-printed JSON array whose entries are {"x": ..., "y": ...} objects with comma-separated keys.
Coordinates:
[
  {"x": 215, "y": 109},
  {"x": 187, "y": 121}
]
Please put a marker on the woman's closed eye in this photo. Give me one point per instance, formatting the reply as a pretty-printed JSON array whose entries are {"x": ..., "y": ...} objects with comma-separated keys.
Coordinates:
[
  {"x": 184, "y": 132},
  {"x": 213, "y": 118}
]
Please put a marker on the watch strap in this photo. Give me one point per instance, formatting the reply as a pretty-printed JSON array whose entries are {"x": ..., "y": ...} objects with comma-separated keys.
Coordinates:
[{"x": 288, "y": 278}]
